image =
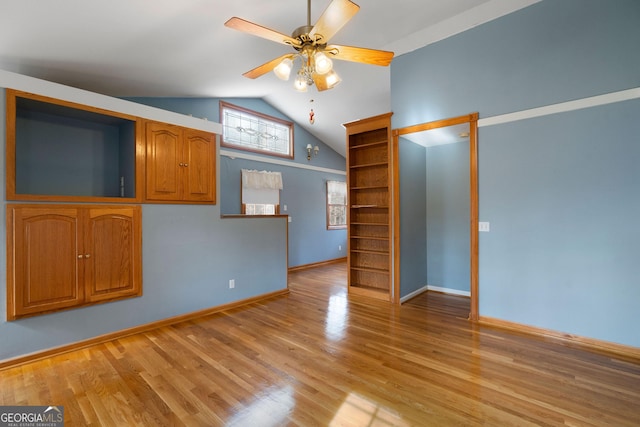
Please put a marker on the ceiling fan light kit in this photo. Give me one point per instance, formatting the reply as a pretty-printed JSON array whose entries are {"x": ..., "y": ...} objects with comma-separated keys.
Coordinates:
[
  {"x": 312, "y": 50},
  {"x": 283, "y": 69}
]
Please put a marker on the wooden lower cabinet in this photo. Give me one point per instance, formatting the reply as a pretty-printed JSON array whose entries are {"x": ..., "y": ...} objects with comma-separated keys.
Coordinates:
[{"x": 64, "y": 256}]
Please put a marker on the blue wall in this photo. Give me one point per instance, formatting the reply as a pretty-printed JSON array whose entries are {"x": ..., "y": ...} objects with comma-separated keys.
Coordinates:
[
  {"x": 52, "y": 155},
  {"x": 434, "y": 218},
  {"x": 448, "y": 212},
  {"x": 189, "y": 255},
  {"x": 304, "y": 189},
  {"x": 560, "y": 191},
  {"x": 304, "y": 194},
  {"x": 413, "y": 211}
]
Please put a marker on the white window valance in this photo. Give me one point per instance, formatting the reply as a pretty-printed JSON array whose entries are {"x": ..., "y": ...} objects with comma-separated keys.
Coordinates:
[{"x": 261, "y": 180}]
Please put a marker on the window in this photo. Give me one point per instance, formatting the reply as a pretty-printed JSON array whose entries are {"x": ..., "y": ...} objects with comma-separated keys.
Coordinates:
[
  {"x": 260, "y": 208},
  {"x": 252, "y": 131},
  {"x": 336, "y": 205},
  {"x": 261, "y": 192}
]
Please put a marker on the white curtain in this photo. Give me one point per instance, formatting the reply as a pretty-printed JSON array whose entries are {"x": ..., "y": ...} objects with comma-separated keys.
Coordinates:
[
  {"x": 261, "y": 187},
  {"x": 258, "y": 180}
]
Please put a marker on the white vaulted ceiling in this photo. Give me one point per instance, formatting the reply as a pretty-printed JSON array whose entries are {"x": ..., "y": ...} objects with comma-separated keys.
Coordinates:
[{"x": 169, "y": 48}]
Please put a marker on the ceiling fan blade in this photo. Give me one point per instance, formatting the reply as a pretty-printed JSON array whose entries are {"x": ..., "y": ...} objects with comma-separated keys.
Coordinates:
[
  {"x": 335, "y": 16},
  {"x": 359, "y": 54},
  {"x": 320, "y": 82},
  {"x": 260, "y": 31},
  {"x": 265, "y": 68}
]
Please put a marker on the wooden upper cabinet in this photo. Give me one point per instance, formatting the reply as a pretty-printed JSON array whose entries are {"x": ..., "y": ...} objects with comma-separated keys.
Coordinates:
[
  {"x": 63, "y": 256},
  {"x": 180, "y": 164},
  {"x": 164, "y": 153},
  {"x": 199, "y": 154}
]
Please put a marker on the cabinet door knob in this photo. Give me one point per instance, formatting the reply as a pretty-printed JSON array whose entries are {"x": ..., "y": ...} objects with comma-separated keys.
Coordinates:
[
  {"x": 186, "y": 164},
  {"x": 181, "y": 164},
  {"x": 87, "y": 255},
  {"x": 80, "y": 256}
]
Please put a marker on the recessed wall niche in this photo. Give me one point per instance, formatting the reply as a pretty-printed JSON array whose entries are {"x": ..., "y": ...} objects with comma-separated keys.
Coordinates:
[{"x": 68, "y": 151}]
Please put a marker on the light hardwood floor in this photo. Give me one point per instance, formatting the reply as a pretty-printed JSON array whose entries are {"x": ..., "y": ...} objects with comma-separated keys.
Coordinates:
[{"x": 319, "y": 358}]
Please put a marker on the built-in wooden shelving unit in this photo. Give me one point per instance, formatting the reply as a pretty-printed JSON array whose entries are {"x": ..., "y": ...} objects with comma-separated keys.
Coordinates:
[{"x": 369, "y": 199}]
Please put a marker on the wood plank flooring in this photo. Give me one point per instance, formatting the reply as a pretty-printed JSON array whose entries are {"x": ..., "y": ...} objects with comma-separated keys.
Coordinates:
[{"x": 317, "y": 357}]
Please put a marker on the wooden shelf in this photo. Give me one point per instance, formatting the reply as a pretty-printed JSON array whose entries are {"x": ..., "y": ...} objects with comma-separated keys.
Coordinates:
[
  {"x": 368, "y": 251},
  {"x": 382, "y": 143},
  {"x": 370, "y": 269},
  {"x": 369, "y": 222},
  {"x": 369, "y": 237},
  {"x": 369, "y": 207},
  {"x": 369, "y": 165},
  {"x": 371, "y": 187}
]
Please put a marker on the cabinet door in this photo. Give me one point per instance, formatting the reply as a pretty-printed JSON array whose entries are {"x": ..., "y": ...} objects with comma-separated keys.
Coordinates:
[
  {"x": 164, "y": 161},
  {"x": 112, "y": 257},
  {"x": 199, "y": 155},
  {"x": 43, "y": 266}
]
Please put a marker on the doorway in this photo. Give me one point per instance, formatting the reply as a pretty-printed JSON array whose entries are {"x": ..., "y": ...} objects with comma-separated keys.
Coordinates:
[{"x": 430, "y": 134}]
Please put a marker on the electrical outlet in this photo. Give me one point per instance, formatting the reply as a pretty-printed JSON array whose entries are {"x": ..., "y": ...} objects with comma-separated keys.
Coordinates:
[
  {"x": 232, "y": 283},
  {"x": 339, "y": 247},
  {"x": 484, "y": 226}
]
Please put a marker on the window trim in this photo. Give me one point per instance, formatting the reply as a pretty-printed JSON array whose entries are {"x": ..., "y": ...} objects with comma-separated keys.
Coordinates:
[
  {"x": 328, "y": 206},
  {"x": 223, "y": 143}
]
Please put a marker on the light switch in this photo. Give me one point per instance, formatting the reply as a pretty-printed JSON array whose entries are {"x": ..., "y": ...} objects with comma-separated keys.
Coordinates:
[{"x": 484, "y": 226}]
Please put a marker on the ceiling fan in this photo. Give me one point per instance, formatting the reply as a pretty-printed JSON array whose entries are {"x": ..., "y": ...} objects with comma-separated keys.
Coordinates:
[{"x": 312, "y": 48}]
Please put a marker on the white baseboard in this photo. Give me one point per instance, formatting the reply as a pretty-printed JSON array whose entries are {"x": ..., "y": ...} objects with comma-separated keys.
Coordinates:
[
  {"x": 413, "y": 294},
  {"x": 449, "y": 291},
  {"x": 435, "y": 289}
]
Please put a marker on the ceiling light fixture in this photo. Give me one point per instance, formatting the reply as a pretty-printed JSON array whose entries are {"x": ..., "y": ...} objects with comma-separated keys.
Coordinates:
[
  {"x": 312, "y": 49},
  {"x": 315, "y": 67}
]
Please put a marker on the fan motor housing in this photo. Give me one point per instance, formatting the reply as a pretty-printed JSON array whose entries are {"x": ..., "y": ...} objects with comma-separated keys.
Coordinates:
[{"x": 302, "y": 34}]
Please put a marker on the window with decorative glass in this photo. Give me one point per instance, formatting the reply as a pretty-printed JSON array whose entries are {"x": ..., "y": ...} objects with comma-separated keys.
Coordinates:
[
  {"x": 249, "y": 130},
  {"x": 336, "y": 205}
]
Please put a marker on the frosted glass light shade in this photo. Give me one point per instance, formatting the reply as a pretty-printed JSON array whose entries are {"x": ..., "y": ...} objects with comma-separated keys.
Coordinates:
[
  {"x": 300, "y": 84},
  {"x": 283, "y": 69},
  {"x": 332, "y": 79},
  {"x": 322, "y": 64}
]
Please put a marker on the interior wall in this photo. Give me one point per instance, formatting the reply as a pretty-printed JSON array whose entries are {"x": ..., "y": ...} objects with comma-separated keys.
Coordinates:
[
  {"x": 413, "y": 212},
  {"x": 560, "y": 191},
  {"x": 189, "y": 256},
  {"x": 304, "y": 189},
  {"x": 448, "y": 212},
  {"x": 304, "y": 196}
]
